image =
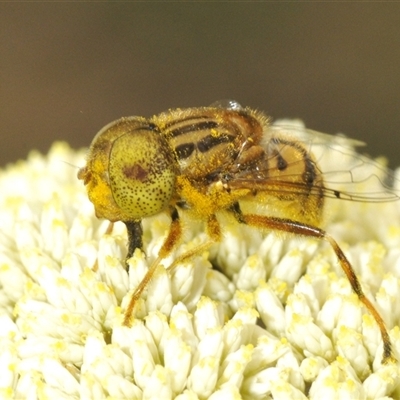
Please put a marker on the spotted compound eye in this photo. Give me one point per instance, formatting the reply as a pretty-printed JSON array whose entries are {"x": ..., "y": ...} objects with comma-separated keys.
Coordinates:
[
  {"x": 141, "y": 173},
  {"x": 130, "y": 171}
]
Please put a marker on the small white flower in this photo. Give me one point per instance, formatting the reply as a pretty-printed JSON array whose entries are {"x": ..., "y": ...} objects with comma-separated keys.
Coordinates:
[
  {"x": 337, "y": 381},
  {"x": 311, "y": 367},
  {"x": 271, "y": 310}
]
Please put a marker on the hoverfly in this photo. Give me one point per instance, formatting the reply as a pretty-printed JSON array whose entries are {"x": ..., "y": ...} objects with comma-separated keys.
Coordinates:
[{"x": 211, "y": 160}]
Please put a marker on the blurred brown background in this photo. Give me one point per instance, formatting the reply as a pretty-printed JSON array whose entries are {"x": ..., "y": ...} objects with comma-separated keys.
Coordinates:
[{"x": 67, "y": 69}]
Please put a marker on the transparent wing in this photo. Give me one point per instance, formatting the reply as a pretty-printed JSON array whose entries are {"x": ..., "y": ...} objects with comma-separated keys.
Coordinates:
[{"x": 346, "y": 174}]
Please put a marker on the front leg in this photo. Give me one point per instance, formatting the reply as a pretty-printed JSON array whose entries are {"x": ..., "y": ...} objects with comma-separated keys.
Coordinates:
[
  {"x": 135, "y": 238},
  {"x": 174, "y": 235}
]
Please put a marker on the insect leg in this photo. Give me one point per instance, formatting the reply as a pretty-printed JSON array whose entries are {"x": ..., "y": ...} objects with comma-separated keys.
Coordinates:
[
  {"x": 174, "y": 234},
  {"x": 189, "y": 254},
  {"x": 135, "y": 241},
  {"x": 214, "y": 232},
  {"x": 298, "y": 228}
]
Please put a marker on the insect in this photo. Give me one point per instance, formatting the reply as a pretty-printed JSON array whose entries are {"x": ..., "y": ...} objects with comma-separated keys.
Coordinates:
[{"x": 212, "y": 160}]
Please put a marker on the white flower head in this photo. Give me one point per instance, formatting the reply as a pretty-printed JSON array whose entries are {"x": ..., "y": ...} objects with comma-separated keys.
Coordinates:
[{"x": 275, "y": 319}]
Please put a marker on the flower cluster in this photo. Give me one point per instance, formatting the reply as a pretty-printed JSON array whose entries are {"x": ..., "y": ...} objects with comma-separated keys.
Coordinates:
[{"x": 275, "y": 319}]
